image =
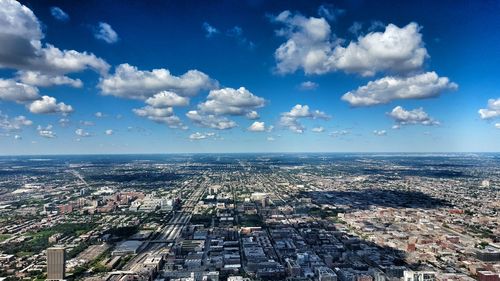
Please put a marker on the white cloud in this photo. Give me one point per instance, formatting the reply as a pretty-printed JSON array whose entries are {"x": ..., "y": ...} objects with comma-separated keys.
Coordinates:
[
  {"x": 411, "y": 117},
  {"x": 59, "y": 14},
  {"x": 211, "y": 121},
  {"x": 82, "y": 133},
  {"x": 229, "y": 101},
  {"x": 271, "y": 139},
  {"x": 36, "y": 78},
  {"x": 18, "y": 137},
  {"x": 21, "y": 47},
  {"x": 387, "y": 89},
  {"x": 99, "y": 114},
  {"x": 105, "y": 32},
  {"x": 257, "y": 127},
  {"x": 291, "y": 119},
  {"x": 129, "y": 82},
  {"x": 396, "y": 50},
  {"x": 160, "y": 109},
  {"x": 252, "y": 115},
  {"x": 167, "y": 99},
  {"x": 160, "y": 115},
  {"x": 492, "y": 111},
  {"x": 149, "y": 111},
  {"x": 109, "y": 132},
  {"x": 46, "y": 132},
  {"x": 13, "y": 124},
  {"x": 202, "y": 136},
  {"x": 318, "y": 129},
  {"x": 380, "y": 132},
  {"x": 209, "y": 30},
  {"x": 11, "y": 90},
  {"x": 197, "y": 136},
  {"x": 308, "y": 85},
  {"x": 47, "y": 105},
  {"x": 497, "y": 125},
  {"x": 66, "y": 61},
  {"x": 310, "y": 47}
]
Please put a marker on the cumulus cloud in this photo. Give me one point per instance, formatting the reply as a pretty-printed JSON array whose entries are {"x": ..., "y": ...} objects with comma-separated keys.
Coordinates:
[
  {"x": 271, "y": 139},
  {"x": 229, "y": 101},
  {"x": 13, "y": 124},
  {"x": 18, "y": 137},
  {"x": 149, "y": 111},
  {"x": 167, "y": 99},
  {"x": 210, "y": 120},
  {"x": 201, "y": 136},
  {"x": 36, "y": 78},
  {"x": 311, "y": 46},
  {"x": 411, "y": 117},
  {"x": 252, "y": 115},
  {"x": 66, "y": 61},
  {"x": 291, "y": 119},
  {"x": 48, "y": 105},
  {"x": 492, "y": 110},
  {"x": 395, "y": 49},
  {"x": 129, "y": 82},
  {"x": 21, "y": 47},
  {"x": 497, "y": 125},
  {"x": 258, "y": 127},
  {"x": 160, "y": 109},
  {"x": 160, "y": 115},
  {"x": 318, "y": 129},
  {"x": 308, "y": 43},
  {"x": 209, "y": 30},
  {"x": 59, "y": 14},
  {"x": 380, "y": 133},
  {"x": 46, "y": 132},
  {"x": 109, "y": 132},
  {"x": 82, "y": 133},
  {"x": 387, "y": 89},
  {"x": 308, "y": 86},
  {"x": 11, "y": 90},
  {"x": 105, "y": 32}
]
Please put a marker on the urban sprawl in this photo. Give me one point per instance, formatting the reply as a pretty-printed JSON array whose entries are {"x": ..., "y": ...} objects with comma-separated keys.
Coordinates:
[{"x": 250, "y": 217}]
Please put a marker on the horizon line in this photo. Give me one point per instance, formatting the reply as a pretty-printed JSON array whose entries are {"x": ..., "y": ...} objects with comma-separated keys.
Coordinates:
[{"x": 277, "y": 152}]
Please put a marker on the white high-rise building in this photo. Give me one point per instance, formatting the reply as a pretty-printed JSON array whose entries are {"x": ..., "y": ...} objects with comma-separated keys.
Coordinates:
[{"x": 56, "y": 263}]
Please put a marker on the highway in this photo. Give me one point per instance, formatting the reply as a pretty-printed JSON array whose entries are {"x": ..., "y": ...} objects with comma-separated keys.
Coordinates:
[{"x": 169, "y": 232}]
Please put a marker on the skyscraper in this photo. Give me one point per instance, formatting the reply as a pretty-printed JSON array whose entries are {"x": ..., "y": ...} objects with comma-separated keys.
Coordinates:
[{"x": 56, "y": 263}]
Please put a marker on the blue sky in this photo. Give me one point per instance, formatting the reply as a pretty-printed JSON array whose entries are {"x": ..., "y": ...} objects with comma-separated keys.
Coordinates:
[{"x": 256, "y": 76}]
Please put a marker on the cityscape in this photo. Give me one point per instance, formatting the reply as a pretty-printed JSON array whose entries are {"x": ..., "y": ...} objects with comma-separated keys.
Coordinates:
[
  {"x": 251, "y": 140},
  {"x": 251, "y": 217}
]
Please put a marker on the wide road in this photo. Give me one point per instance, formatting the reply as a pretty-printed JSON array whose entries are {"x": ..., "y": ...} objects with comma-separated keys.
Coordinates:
[{"x": 172, "y": 230}]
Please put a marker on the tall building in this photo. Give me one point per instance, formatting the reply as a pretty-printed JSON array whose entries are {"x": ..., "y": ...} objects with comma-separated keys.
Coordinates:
[{"x": 56, "y": 263}]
